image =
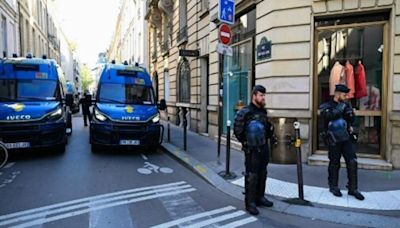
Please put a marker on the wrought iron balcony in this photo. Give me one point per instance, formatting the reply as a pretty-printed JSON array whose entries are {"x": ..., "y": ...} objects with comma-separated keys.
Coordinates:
[
  {"x": 182, "y": 34},
  {"x": 165, "y": 46}
]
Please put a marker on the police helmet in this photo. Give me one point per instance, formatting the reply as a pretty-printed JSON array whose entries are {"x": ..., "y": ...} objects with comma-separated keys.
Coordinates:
[{"x": 255, "y": 134}]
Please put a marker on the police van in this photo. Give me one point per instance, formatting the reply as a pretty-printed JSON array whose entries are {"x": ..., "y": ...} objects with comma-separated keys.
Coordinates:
[
  {"x": 33, "y": 104},
  {"x": 125, "y": 111}
]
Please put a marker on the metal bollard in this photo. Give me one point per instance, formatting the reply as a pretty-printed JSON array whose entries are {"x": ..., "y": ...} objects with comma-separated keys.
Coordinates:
[
  {"x": 184, "y": 130},
  {"x": 297, "y": 143},
  {"x": 169, "y": 130}
]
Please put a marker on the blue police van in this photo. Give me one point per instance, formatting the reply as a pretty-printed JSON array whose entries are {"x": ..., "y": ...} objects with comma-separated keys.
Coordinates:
[
  {"x": 126, "y": 112},
  {"x": 34, "y": 109}
]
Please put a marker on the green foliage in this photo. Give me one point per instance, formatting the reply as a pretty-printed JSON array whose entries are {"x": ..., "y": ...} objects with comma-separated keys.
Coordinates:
[{"x": 86, "y": 77}]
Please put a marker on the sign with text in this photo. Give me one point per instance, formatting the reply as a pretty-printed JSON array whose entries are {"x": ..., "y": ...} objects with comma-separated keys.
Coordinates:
[
  {"x": 264, "y": 49},
  {"x": 224, "y": 49},
  {"x": 189, "y": 53}
]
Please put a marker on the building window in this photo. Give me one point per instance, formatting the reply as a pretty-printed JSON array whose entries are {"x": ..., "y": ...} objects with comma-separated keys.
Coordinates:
[
  {"x": 3, "y": 36},
  {"x": 182, "y": 34},
  {"x": 184, "y": 81},
  {"x": 166, "y": 85},
  {"x": 205, "y": 5},
  {"x": 353, "y": 55}
]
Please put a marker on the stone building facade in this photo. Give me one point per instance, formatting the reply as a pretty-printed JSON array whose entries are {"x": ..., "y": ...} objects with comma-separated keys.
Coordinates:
[{"x": 304, "y": 39}]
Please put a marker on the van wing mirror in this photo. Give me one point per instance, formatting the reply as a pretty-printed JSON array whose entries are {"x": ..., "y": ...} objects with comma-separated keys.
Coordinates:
[
  {"x": 69, "y": 99},
  {"x": 162, "y": 105}
]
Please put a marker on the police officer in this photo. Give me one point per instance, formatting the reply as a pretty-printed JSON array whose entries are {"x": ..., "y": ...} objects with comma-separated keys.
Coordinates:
[
  {"x": 340, "y": 137},
  {"x": 252, "y": 129},
  {"x": 86, "y": 102}
]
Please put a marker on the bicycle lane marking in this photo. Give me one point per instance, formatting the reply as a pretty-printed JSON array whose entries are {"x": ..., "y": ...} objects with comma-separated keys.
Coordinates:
[{"x": 149, "y": 168}]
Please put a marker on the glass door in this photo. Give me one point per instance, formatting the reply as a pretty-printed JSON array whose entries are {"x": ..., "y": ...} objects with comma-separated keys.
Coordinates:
[
  {"x": 237, "y": 80},
  {"x": 354, "y": 56}
]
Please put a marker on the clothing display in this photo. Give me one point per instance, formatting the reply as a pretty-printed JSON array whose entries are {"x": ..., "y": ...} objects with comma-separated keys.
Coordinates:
[
  {"x": 350, "y": 79},
  {"x": 360, "y": 81},
  {"x": 338, "y": 76}
]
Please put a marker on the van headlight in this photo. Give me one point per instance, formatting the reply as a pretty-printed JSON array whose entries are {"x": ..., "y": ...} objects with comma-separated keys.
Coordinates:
[
  {"x": 99, "y": 116},
  {"x": 57, "y": 114},
  {"x": 156, "y": 118}
]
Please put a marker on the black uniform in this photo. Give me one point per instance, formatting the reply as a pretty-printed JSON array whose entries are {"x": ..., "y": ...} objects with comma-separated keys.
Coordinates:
[
  {"x": 86, "y": 102},
  {"x": 339, "y": 117},
  {"x": 257, "y": 157}
]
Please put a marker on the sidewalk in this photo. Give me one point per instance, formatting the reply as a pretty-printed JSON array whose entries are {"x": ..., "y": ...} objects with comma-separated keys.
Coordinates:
[{"x": 381, "y": 188}]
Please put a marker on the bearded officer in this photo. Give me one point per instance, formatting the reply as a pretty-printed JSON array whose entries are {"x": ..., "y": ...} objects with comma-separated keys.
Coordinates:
[
  {"x": 340, "y": 137},
  {"x": 252, "y": 129}
]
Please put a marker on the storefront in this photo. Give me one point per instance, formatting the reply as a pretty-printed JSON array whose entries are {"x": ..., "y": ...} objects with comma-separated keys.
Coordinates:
[
  {"x": 314, "y": 45},
  {"x": 352, "y": 50}
]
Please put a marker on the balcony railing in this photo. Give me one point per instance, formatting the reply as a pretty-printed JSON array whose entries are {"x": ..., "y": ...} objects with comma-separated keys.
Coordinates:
[
  {"x": 165, "y": 46},
  {"x": 182, "y": 34},
  {"x": 154, "y": 56}
]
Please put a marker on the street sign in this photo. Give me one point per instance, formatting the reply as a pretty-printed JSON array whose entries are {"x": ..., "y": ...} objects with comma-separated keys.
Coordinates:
[
  {"x": 189, "y": 53},
  {"x": 226, "y": 11},
  {"x": 264, "y": 49},
  {"x": 224, "y": 49},
  {"x": 225, "y": 34}
]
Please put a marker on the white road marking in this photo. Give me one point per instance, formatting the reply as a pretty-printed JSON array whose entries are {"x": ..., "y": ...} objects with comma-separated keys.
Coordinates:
[
  {"x": 179, "y": 206},
  {"x": 239, "y": 223},
  {"x": 323, "y": 196},
  {"x": 9, "y": 165},
  {"x": 193, "y": 217},
  {"x": 84, "y": 211},
  {"x": 111, "y": 217},
  {"x": 217, "y": 219},
  {"x": 144, "y": 157},
  {"x": 94, "y": 204},
  {"x": 45, "y": 208}
]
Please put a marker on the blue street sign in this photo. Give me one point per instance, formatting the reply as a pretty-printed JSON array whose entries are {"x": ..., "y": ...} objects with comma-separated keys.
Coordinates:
[{"x": 226, "y": 11}]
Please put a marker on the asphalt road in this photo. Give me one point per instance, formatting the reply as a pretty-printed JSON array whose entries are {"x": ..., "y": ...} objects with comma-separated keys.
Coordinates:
[{"x": 118, "y": 188}]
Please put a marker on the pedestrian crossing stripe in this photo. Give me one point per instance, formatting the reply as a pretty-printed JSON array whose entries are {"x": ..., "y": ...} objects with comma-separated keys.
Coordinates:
[
  {"x": 218, "y": 215},
  {"x": 72, "y": 208}
]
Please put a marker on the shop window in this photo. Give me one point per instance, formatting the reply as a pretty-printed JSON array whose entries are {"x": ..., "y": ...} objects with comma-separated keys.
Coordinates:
[
  {"x": 354, "y": 56},
  {"x": 184, "y": 81}
]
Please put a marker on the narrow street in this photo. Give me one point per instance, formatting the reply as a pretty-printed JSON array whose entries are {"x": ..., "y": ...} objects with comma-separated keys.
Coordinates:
[{"x": 123, "y": 188}]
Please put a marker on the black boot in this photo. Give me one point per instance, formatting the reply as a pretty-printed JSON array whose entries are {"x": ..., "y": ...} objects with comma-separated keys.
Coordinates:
[
  {"x": 261, "y": 200},
  {"x": 251, "y": 193},
  {"x": 333, "y": 178},
  {"x": 353, "y": 182}
]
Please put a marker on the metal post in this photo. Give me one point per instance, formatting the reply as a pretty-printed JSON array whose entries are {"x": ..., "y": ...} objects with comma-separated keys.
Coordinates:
[
  {"x": 299, "y": 164},
  {"x": 169, "y": 130},
  {"x": 220, "y": 102},
  {"x": 184, "y": 129},
  {"x": 227, "y": 174},
  {"x": 297, "y": 143}
]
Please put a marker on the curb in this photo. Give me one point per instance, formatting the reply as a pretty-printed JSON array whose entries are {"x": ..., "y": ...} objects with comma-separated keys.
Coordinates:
[{"x": 314, "y": 213}]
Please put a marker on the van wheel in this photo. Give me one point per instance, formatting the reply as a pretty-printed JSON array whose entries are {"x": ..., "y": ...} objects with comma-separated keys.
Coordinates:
[
  {"x": 153, "y": 149},
  {"x": 95, "y": 148},
  {"x": 60, "y": 149}
]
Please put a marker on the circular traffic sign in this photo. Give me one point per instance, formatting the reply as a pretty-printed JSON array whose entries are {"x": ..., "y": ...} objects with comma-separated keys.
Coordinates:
[{"x": 225, "y": 34}]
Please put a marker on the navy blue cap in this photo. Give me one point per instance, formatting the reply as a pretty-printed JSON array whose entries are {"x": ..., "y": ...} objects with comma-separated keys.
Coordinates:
[
  {"x": 342, "y": 88},
  {"x": 259, "y": 88}
]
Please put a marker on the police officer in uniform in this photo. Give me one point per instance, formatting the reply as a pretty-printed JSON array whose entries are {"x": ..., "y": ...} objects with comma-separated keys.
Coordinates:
[
  {"x": 252, "y": 129},
  {"x": 340, "y": 137},
  {"x": 86, "y": 102}
]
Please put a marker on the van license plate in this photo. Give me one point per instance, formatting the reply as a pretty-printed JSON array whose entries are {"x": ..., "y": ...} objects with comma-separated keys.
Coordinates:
[
  {"x": 18, "y": 145},
  {"x": 129, "y": 142}
]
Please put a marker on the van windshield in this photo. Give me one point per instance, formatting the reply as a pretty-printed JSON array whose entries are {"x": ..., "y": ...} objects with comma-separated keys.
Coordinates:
[
  {"x": 27, "y": 90},
  {"x": 125, "y": 94}
]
